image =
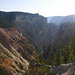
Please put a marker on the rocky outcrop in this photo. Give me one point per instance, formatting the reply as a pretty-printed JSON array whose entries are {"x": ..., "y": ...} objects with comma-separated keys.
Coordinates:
[
  {"x": 65, "y": 69},
  {"x": 36, "y": 29},
  {"x": 33, "y": 26},
  {"x": 15, "y": 51},
  {"x": 14, "y": 64}
]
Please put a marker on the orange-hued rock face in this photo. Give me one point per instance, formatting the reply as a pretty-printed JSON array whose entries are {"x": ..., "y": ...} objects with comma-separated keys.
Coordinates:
[{"x": 15, "y": 51}]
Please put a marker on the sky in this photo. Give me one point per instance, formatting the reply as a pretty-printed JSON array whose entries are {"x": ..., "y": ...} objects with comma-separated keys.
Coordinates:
[{"x": 45, "y": 8}]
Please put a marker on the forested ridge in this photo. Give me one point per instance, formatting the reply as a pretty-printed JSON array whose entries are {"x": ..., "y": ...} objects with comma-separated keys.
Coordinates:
[{"x": 39, "y": 45}]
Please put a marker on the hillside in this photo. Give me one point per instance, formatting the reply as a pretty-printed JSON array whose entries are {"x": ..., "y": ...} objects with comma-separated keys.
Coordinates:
[
  {"x": 58, "y": 20},
  {"x": 70, "y": 18},
  {"x": 63, "y": 36},
  {"x": 28, "y": 42},
  {"x": 36, "y": 29},
  {"x": 15, "y": 51},
  {"x": 55, "y": 19},
  {"x": 33, "y": 26}
]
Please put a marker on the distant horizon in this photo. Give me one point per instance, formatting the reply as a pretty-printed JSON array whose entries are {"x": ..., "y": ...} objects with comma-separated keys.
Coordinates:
[
  {"x": 35, "y": 13},
  {"x": 45, "y": 8}
]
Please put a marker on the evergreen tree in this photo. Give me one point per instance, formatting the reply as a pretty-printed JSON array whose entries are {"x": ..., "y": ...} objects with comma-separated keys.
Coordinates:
[
  {"x": 71, "y": 57},
  {"x": 66, "y": 53},
  {"x": 72, "y": 44},
  {"x": 69, "y": 51},
  {"x": 58, "y": 58}
]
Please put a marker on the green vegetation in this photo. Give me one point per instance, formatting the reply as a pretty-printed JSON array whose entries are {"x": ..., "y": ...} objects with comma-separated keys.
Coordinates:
[
  {"x": 45, "y": 71},
  {"x": 67, "y": 55},
  {"x": 38, "y": 70},
  {"x": 62, "y": 55},
  {"x": 6, "y": 19},
  {"x": 69, "y": 51},
  {"x": 39, "y": 58},
  {"x": 37, "y": 66},
  {"x": 58, "y": 58}
]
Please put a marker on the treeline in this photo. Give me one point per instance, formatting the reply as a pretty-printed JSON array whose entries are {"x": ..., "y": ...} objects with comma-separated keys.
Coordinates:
[
  {"x": 65, "y": 55},
  {"x": 62, "y": 55},
  {"x": 66, "y": 30},
  {"x": 7, "y": 19}
]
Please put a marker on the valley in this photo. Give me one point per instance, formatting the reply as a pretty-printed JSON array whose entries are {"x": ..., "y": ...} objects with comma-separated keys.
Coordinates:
[{"x": 31, "y": 46}]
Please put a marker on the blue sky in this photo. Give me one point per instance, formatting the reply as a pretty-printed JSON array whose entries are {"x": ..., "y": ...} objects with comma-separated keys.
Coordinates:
[{"x": 43, "y": 7}]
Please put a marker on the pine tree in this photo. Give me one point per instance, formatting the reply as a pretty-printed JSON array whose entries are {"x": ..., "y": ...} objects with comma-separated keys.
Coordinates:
[
  {"x": 72, "y": 43},
  {"x": 71, "y": 57},
  {"x": 66, "y": 53},
  {"x": 58, "y": 58},
  {"x": 69, "y": 51}
]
